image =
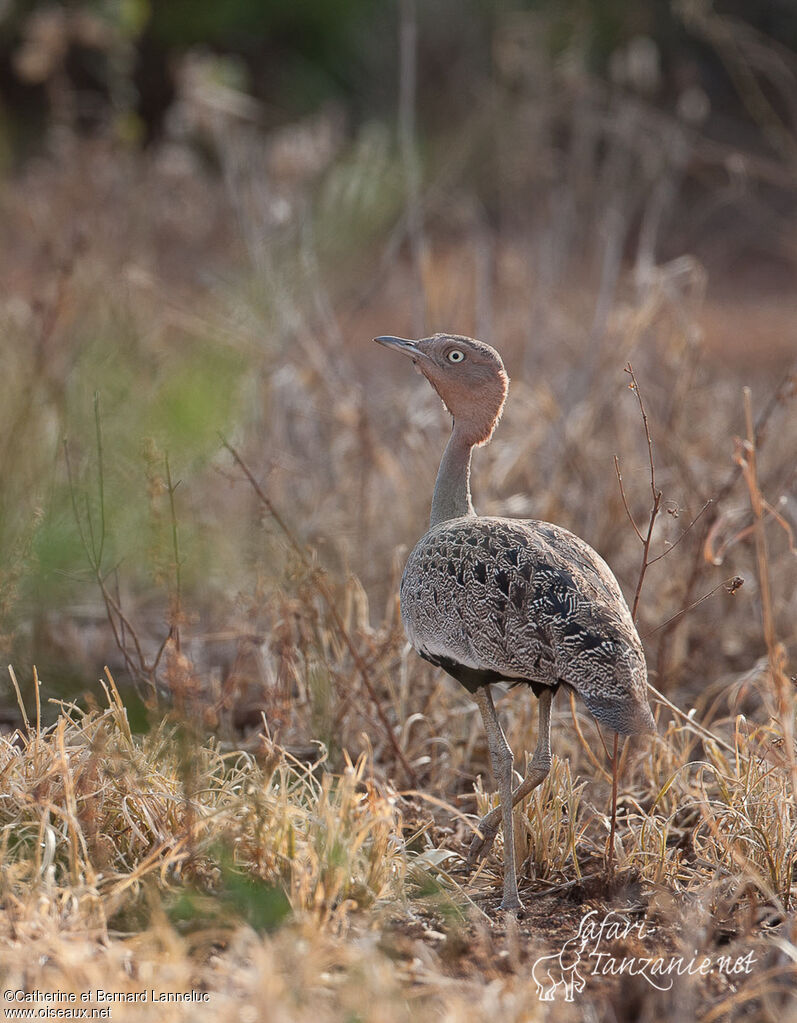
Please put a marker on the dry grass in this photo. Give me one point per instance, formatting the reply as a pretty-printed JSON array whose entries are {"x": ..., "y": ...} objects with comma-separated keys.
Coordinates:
[
  {"x": 161, "y": 863},
  {"x": 306, "y": 861}
]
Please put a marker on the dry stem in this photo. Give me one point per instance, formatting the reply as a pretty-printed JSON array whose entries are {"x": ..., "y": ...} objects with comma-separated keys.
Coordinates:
[{"x": 329, "y": 600}]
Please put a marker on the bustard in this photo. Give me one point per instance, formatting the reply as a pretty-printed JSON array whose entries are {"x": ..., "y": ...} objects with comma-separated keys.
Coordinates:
[{"x": 493, "y": 599}]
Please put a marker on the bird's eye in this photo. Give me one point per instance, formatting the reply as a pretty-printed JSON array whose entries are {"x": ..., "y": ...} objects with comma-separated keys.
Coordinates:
[{"x": 456, "y": 355}]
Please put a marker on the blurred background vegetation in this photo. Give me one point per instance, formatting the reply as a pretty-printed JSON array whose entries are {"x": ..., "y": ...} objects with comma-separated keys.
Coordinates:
[{"x": 206, "y": 212}]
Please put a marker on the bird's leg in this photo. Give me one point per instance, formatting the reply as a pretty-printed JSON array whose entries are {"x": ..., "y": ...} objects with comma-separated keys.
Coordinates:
[
  {"x": 502, "y": 762},
  {"x": 537, "y": 773}
]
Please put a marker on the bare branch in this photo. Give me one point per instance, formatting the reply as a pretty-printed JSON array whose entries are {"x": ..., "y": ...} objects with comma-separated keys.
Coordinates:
[
  {"x": 625, "y": 499},
  {"x": 94, "y": 547},
  {"x": 613, "y": 827},
  {"x": 731, "y": 584},
  {"x": 100, "y": 476},
  {"x": 782, "y": 392},
  {"x": 784, "y": 525},
  {"x": 176, "y": 609},
  {"x": 654, "y": 510},
  {"x": 675, "y": 543},
  {"x": 75, "y": 511},
  {"x": 635, "y": 388},
  {"x": 329, "y": 599}
]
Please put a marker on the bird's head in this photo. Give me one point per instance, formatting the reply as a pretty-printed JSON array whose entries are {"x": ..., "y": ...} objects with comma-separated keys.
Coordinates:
[{"x": 467, "y": 374}]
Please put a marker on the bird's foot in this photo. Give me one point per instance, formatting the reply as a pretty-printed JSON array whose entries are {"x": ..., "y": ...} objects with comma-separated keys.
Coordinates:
[
  {"x": 511, "y": 904},
  {"x": 483, "y": 839}
]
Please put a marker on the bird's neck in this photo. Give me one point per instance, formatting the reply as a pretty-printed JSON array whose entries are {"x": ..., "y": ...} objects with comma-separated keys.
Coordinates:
[{"x": 452, "y": 489}]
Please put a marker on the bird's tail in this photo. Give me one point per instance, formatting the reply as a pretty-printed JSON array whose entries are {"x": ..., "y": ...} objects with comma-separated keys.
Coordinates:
[{"x": 626, "y": 710}]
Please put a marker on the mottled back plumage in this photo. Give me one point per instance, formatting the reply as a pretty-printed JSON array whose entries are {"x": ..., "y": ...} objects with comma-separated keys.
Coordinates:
[{"x": 525, "y": 601}]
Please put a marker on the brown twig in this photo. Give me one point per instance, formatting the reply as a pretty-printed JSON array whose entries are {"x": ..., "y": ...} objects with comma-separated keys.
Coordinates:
[
  {"x": 329, "y": 599},
  {"x": 177, "y": 601},
  {"x": 731, "y": 584},
  {"x": 613, "y": 827},
  {"x": 645, "y": 540},
  {"x": 655, "y": 506},
  {"x": 582, "y": 739},
  {"x": 784, "y": 389},
  {"x": 625, "y": 499},
  {"x": 682, "y": 534},
  {"x": 746, "y": 458},
  {"x": 94, "y": 545}
]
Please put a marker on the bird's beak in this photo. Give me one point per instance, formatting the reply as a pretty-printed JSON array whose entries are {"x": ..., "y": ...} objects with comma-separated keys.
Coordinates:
[{"x": 403, "y": 345}]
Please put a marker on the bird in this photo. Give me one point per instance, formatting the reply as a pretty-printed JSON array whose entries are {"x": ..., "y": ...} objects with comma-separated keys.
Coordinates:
[{"x": 491, "y": 599}]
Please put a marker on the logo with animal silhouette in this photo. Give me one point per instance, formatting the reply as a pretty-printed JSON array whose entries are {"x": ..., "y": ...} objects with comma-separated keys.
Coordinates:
[
  {"x": 560, "y": 970},
  {"x": 565, "y": 970},
  {"x": 585, "y": 953}
]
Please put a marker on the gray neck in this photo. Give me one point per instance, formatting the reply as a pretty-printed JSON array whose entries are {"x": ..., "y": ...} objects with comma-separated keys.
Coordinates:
[{"x": 452, "y": 489}]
